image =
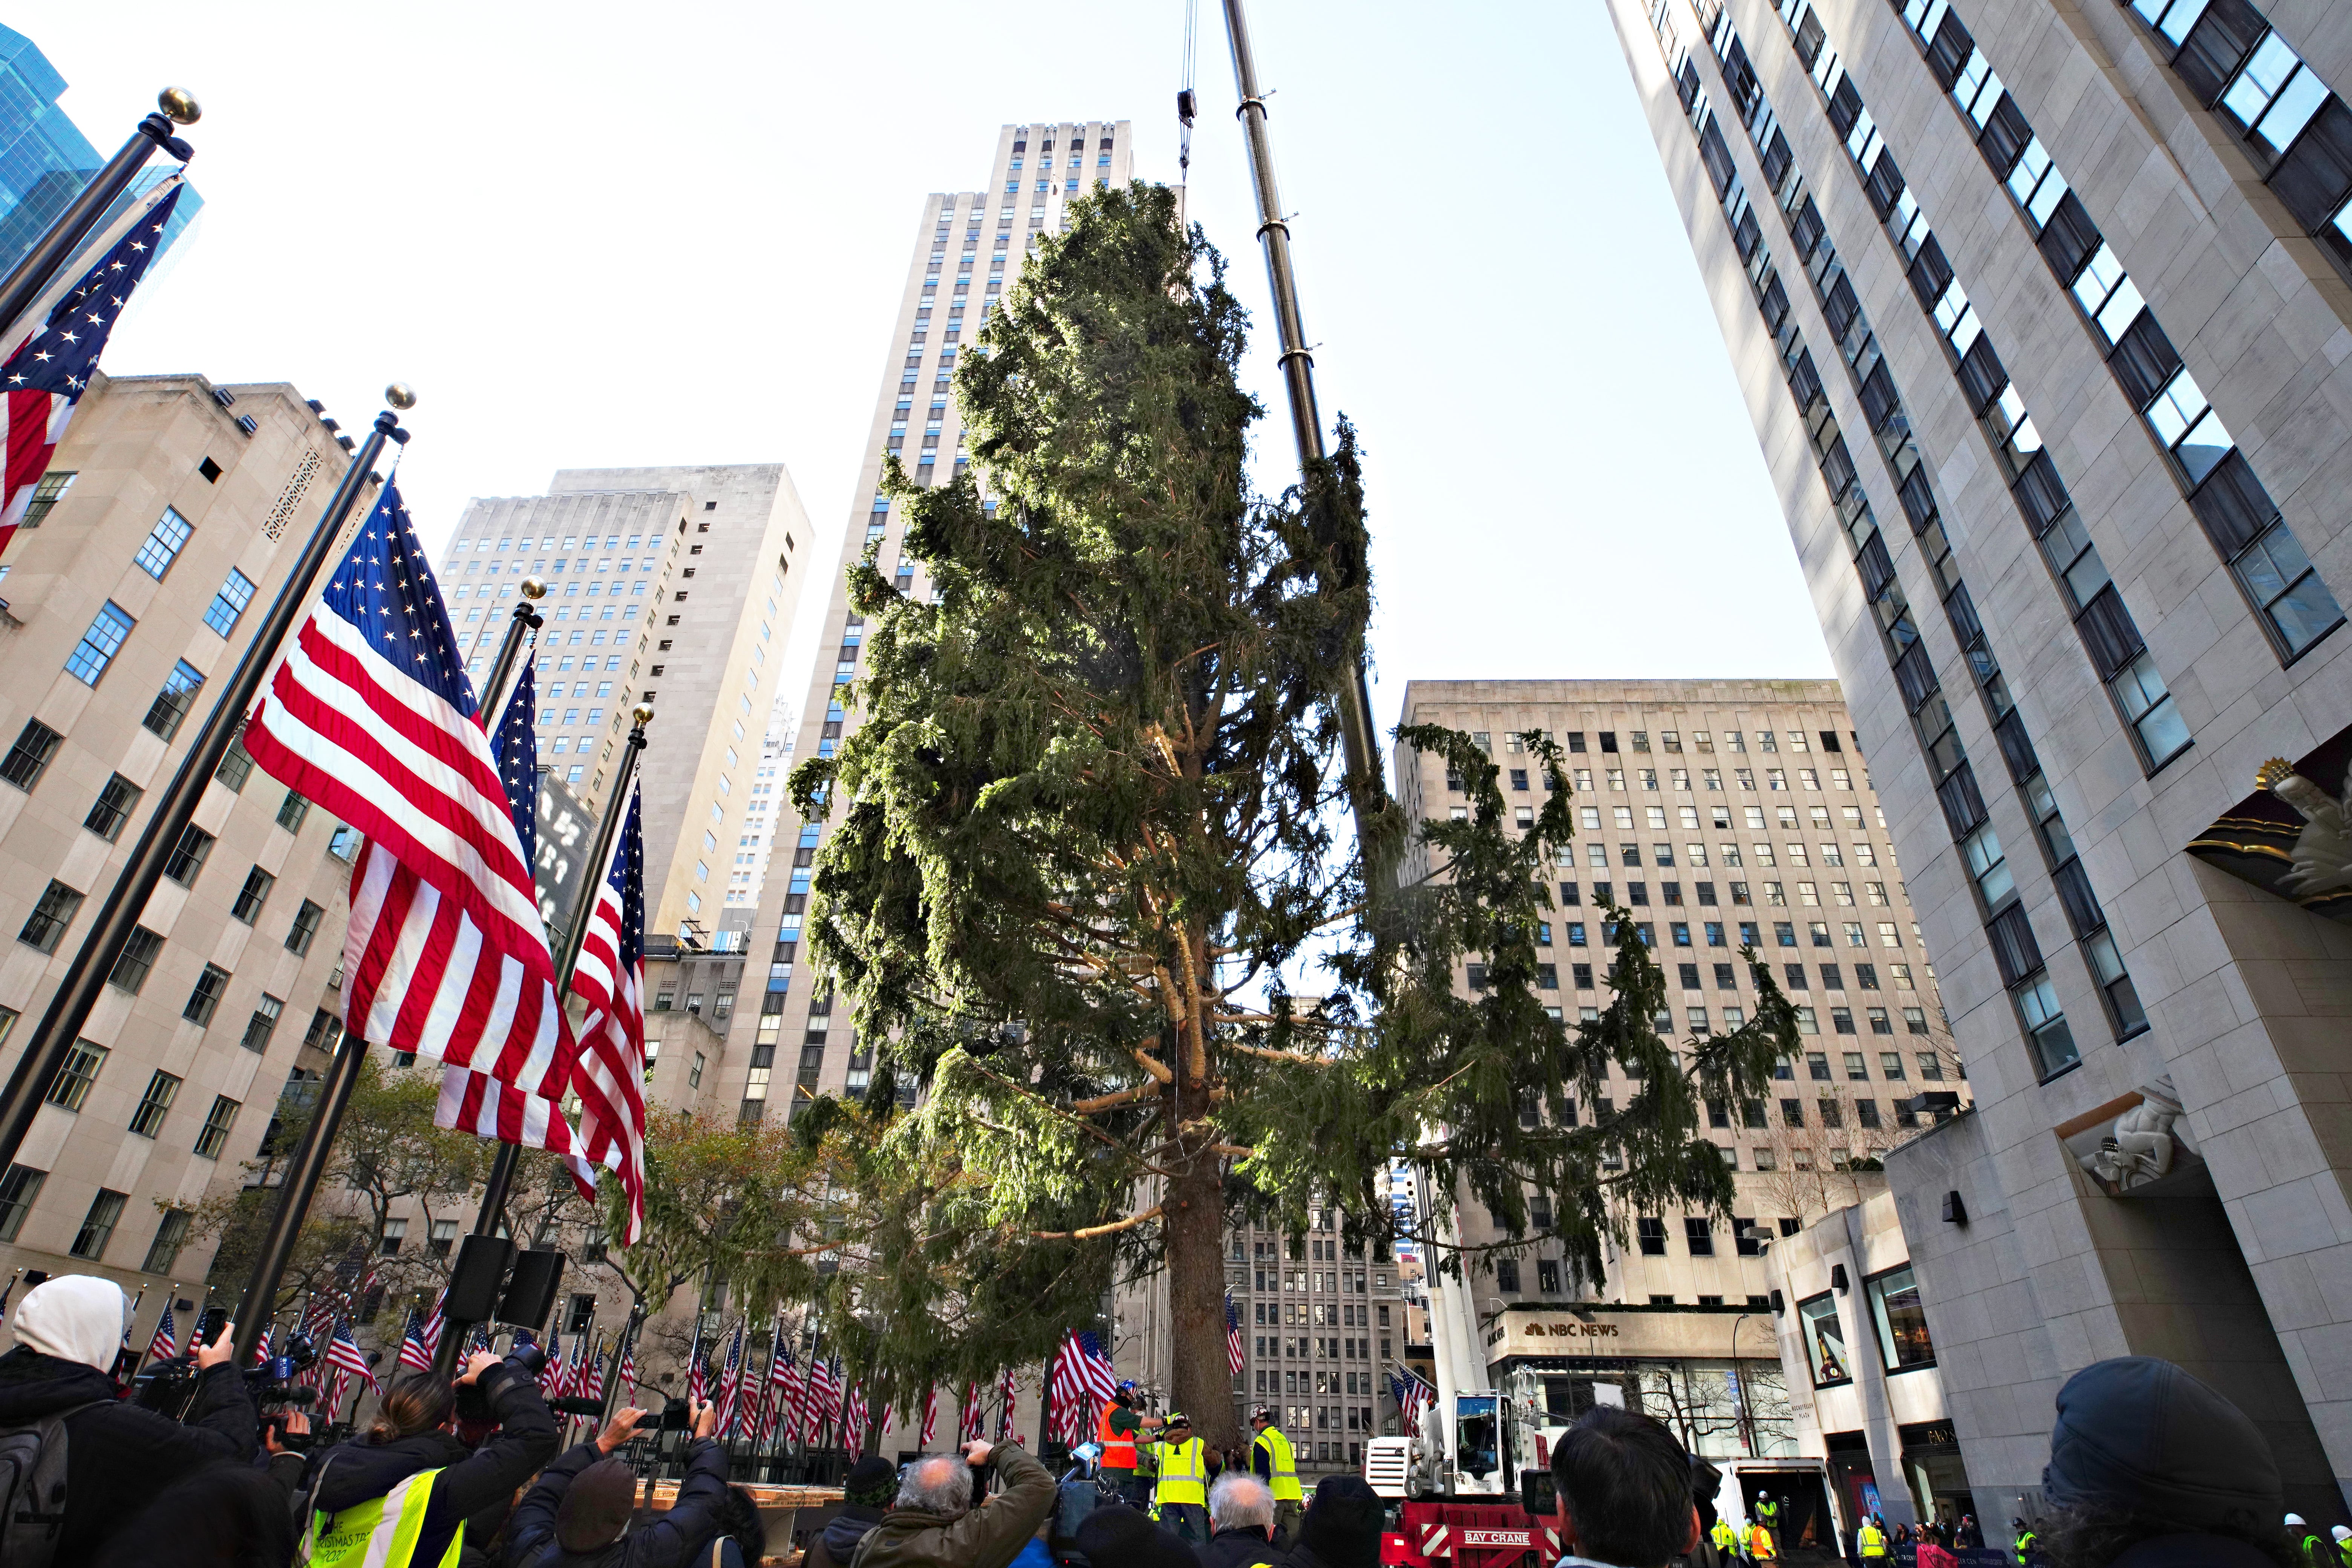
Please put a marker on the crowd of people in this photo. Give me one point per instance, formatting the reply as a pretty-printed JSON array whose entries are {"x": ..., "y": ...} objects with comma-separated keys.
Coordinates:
[{"x": 2148, "y": 1469}]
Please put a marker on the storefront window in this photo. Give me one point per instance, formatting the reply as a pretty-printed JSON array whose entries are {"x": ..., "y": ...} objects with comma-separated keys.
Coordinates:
[
  {"x": 1824, "y": 1341},
  {"x": 1902, "y": 1322}
]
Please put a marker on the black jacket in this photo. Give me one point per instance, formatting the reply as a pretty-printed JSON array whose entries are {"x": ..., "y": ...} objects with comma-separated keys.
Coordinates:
[
  {"x": 470, "y": 1481},
  {"x": 674, "y": 1540},
  {"x": 1240, "y": 1548},
  {"x": 841, "y": 1532},
  {"x": 117, "y": 1454}
]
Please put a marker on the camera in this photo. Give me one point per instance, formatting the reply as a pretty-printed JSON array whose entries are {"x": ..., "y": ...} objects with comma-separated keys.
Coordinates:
[
  {"x": 474, "y": 1400},
  {"x": 676, "y": 1415}
]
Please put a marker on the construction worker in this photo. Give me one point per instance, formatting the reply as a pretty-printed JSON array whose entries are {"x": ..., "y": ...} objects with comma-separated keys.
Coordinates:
[
  {"x": 1760, "y": 1550},
  {"x": 1272, "y": 1461},
  {"x": 2025, "y": 1540},
  {"x": 1181, "y": 1502},
  {"x": 1726, "y": 1539},
  {"x": 1870, "y": 1541},
  {"x": 1116, "y": 1429},
  {"x": 2303, "y": 1541}
]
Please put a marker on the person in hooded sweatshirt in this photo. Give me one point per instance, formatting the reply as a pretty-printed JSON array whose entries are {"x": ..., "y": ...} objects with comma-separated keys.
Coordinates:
[
  {"x": 367, "y": 1488},
  {"x": 2151, "y": 1469},
  {"x": 865, "y": 1494},
  {"x": 117, "y": 1454},
  {"x": 1342, "y": 1528}
]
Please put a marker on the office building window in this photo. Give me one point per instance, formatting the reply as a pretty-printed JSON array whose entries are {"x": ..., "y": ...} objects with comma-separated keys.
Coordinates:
[
  {"x": 28, "y": 758},
  {"x": 108, "y": 631},
  {"x": 205, "y": 997},
  {"x": 187, "y": 859},
  {"x": 171, "y": 1236},
  {"x": 162, "y": 546},
  {"x": 246, "y": 906},
  {"x": 217, "y": 1122},
  {"x": 148, "y": 1119},
  {"x": 53, "y": 911},
  {"x": 263, "y": 1024},
  {"x": 97, "y": 1226},
  {"x": 18, "y": 1188},
  {"x": 229, "y": 603}
]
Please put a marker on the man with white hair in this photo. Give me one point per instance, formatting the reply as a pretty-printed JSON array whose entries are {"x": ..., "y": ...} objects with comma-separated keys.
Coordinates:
[
  {"x": 117, "y": 1454},
  {"x": 1241, "y": 1523},
  {"x": 934, "y": 1524}
]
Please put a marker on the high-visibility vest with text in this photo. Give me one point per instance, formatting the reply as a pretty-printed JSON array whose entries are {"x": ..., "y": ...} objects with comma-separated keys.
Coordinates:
[
  {"x": 1183, "y": 1472},
  {"x": 381, "y": 1532},
  {"x": 1870, "y": 1541},
  {"x": 1726, "y": 1537},
  {"x": 1760, "y": 1543},
  {"x": 1284, "y": 1481},
  {"x": 1118, "y": 1447}
]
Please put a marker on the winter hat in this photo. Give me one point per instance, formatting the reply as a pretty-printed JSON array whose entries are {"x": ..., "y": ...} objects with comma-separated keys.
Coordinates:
[
  {"x": 2140, "y": 1435},
  {"x": 76, "y": 1317},
  {"x": 595, "y": 1507},
  {"x": 1127, "y": 1537},
  {"x": 872, "y": 1482},
  {"x": 1342, "y": 1526}
]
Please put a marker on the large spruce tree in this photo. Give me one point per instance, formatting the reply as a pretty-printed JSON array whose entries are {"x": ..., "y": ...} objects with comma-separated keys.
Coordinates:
[{"x": 1090, "y": 835}]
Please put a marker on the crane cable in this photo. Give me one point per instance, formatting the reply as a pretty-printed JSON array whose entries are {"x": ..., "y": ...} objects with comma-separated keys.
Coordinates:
[{"x": 1186, "y": 104}]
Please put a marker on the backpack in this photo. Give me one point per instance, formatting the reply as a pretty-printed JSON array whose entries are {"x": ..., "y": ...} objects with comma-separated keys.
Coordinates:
[{"x": 33, "y": 1489}]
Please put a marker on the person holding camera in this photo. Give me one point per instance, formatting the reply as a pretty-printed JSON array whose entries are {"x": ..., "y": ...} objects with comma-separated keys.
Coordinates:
[
  {"x": 934, "y": 1524},
  {"x": 399, "y": 1496},
  {"x": 55, "y": 1382},
  {"x": 576, "y": 1515}
]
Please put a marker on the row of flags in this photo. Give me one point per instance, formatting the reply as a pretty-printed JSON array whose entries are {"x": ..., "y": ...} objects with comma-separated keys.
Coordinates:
[{"x": 1078, "y": 1382}]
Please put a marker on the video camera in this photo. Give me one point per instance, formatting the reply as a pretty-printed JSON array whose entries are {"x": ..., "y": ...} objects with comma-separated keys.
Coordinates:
[
  {"x": 168, "y": 1387},
  {"x": 474, "y": 1409}
]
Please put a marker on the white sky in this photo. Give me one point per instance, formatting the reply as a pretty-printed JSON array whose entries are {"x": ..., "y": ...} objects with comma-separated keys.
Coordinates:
[{"x": 595, "y": 234}]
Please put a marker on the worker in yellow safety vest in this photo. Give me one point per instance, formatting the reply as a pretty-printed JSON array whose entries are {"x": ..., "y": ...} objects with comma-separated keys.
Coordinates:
[
  {"x": 1726, "y": 1539},
  {"x": 1182, "y": 1501},
  {"x": 1272, "y": 1460},
  {"x": 1870, "y": 1541}
]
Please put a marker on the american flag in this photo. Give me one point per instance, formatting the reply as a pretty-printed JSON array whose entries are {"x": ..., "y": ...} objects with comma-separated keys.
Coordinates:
[
  {"x": 413, "y": 1351},
  {"x": 852, "y": 1419},
  {"x": 574, "y": 1381},
  {"x": 731, "y": 1387},
  {"x": 972, "y": 1423},
  {"x": 931, "y": 1416},
  {"x": 776, "y": 1402},
  {"x": 628, "y": 1372},
  {"x": 344, "y": 1355},
  {"x": 610, "y": 978},
  {"x": 593, "y": 1388},
  {"x": 166, "y": 1342},
  {"x": 1234, "y": 1359},
  {"x": 1080, "y": 1378},
  {"x": 47, "y": 373},
  {"x": 698, "y": 1386},
  {"x": 551, "y": 1377},
  {"x": 1011, "y": 1392},
  {"x": 262, "y": 1346},
  {"x": 370, "y": 716},
  {"x": 824, "y": 1394},
  {"x": 1414, "y": 1397}
]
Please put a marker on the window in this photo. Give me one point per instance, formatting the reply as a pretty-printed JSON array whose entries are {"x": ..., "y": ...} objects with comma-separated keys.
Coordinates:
[
  {"x": 172, "y": 704},
  {"x": 1901, "y": 1322},
  {"x": 235, "y": 767},
  {"x": 291, "y": 811},
  {"x": 147, "y": 1121},
  {"x": 97, "y": 1226},
  {"x": 229, "y": 603},
  {"x": 46, "y": 496},
  {"x": 28, "y": 758},
  {"x": 1890, "y": 1063},
  {"x": 51, "y": 915},
  {"x": 170, "y": 1235},
  {"x": 305, "y": 928},
  {"x": 162, "y": 546},
  {"x": 1914, "y": 1020},
  {"x": 187, "y": 861},
  {"x": 1824, "y": 1341},
  {"x": 1507, "y": 1276},
  {"x": 203, "y": 999},
  {"x": 262, "y": 1023},
  {"x": 246, "y": 907},
  {"x": 1653, "y": 1233},
  {"x": 395, "y": 1231},
  {"x": 1698, "y": 1235},
  {"x": 18, "y": 1188},
  {"x": 444, "y": 1238}
]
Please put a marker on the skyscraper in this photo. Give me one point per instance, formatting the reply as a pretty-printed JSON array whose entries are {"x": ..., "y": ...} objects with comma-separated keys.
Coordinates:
[
  {"x": 45, "y": 160},
  {"x": 673, "y": 585},
  {"x": 2040, "y": 313},
  {"x": 966, "y": 245}
]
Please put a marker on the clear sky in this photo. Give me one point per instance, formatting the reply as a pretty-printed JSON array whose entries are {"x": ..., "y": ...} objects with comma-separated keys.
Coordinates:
[{"x": 595, "y": 234}]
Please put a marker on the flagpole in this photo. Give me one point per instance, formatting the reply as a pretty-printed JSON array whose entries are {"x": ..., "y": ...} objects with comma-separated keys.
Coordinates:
[
  {"x": 575, "y": 935},
  {"x": 32, "y": 275},
  {"x": 629, "y": 1337},
  {"x": 119, "y": 913},
  {"x": 525, "y": 617}
]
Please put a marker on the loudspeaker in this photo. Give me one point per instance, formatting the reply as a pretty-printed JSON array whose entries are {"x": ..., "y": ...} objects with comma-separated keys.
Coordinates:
[
  {"x": 530, "y": 1293},
  {"x": 474, "y": 1283}
]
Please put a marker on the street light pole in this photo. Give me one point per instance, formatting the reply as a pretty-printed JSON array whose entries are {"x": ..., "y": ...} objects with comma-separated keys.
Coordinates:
[
  {"x": 1365, "y": 789},
  {"x": 119, "y": 913},
  {"x": 502, "y": 1169},
  {"x": 31, "y": 276}
]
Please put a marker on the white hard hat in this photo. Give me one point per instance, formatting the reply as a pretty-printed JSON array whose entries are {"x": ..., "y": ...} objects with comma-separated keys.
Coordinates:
[
  {"x": 2341, "y": 1531},
  {"x": 2295, "y": 1519}
]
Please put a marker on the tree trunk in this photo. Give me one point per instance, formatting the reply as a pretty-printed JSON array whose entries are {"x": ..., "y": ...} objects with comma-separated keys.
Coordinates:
[{"x": 1194, "y": 1220}]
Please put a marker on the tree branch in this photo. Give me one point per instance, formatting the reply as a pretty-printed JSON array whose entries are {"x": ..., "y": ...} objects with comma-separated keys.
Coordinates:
[{"x": 1090, "y": 1232}]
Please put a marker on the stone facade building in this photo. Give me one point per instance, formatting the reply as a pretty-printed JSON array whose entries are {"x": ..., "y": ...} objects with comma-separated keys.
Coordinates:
[
  {"x": 2042, "y": 318},
  {"x": 1719, "y": 814},
  {"x": 171, "y": 512}
]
